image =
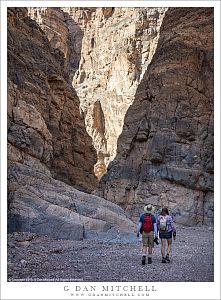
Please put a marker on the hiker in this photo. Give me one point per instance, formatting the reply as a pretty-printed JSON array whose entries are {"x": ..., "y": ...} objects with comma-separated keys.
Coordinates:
[
  {"x": 148, "y": 228},
  {"x": 167, "y": 230}
]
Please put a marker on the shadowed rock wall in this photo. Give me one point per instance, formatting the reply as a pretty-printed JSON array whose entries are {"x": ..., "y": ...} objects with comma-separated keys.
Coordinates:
[
  {"x": 47, "y": 136},
  {"x": 165, "y": 152},
  {"x": 44, "y": 121}
]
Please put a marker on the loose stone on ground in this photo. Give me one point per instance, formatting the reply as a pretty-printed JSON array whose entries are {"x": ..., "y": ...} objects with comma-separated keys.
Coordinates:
[{"x": 48, "y": 259}]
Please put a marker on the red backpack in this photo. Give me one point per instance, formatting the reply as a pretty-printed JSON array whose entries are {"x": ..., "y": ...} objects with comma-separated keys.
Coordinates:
[{"x": 147, "y": 225}]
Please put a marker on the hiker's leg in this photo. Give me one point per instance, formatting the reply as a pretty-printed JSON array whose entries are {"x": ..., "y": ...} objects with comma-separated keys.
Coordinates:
[
  {"x": 145, "y": 243},
  {"x": 145, "y": 250},
  {"x": 163, "y": 247},
  {"x": 150, "y": 250},
  {"x": 150, "y": 243},
  {"x": 150, "y": 246},
  {"x": 144, "y": 255},
  {"x": 169, "y": 244}
]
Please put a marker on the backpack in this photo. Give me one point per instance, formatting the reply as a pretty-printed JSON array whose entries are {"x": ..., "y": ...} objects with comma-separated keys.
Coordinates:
[
  {"x": 163, "y": 223},
  {"x": 147, "y": 225}
]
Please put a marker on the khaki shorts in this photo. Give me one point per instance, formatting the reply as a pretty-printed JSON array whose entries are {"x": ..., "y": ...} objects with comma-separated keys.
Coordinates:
[{"x": 147, "y": 238}]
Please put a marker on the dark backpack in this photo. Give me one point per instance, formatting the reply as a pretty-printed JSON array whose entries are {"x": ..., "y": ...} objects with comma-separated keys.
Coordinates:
[{"x": 147, "y": 225}]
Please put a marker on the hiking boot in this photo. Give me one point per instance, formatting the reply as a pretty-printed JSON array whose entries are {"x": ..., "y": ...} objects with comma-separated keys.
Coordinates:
[
  {"x": 149, "y": 260},
  {"x": 164, "y": 260},
  {"x": 143, "y": 260},
  {"x": 167, "y": 258}
]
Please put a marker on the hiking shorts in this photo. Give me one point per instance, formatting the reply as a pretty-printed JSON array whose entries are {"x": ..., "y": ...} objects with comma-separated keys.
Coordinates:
[
  {"x": 148, "y": 239},
  {"x": 165, "y": 235}
]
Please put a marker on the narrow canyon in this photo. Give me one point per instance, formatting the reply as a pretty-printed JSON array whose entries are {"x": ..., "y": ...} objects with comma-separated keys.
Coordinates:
[{"x": 109, "y": 109}]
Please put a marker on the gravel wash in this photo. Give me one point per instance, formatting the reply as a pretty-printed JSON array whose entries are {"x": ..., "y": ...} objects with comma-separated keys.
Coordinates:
[{"x": 40, "y": 258}]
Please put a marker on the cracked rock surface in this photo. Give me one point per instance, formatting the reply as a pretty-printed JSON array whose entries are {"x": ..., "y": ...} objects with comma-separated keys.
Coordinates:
[
  {"x": 165, "y": 151},
  {"x": 44, "y": 123}
]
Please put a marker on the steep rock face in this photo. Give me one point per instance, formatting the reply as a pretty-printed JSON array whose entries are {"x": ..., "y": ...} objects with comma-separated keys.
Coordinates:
[
  {"x": 52, "y": 21},
  {"x": 44, "y": 121},
  {"x": 46, "y": 136},
  {"x": 114, "y": 50},
  {"x": 165, "y": 152},
  {"x": 64, "y": 34},
  {"x": 117, "y": 46}
]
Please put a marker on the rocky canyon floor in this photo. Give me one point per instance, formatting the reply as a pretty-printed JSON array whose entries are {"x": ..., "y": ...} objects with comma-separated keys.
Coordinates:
[{"x": 35, "y": 258}]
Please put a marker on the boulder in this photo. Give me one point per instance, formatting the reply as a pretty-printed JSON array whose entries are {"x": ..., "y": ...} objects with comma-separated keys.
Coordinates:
[{"x": 45, "y": 206}]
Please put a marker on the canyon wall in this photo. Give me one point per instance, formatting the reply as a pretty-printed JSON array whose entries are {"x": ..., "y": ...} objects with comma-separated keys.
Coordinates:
[
  {"x": 44, "y": 121},
  {"x": 48, "y": 142},
  {"x": 63, "y": 32},
  {"x": 148, "y": 70},
  {"x": 117, "y": 45},
  {"x": 165, "y": 152}
]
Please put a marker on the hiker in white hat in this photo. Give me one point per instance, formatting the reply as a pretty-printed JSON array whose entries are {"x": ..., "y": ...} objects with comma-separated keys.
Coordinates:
[{"x": 148, "y": 228}]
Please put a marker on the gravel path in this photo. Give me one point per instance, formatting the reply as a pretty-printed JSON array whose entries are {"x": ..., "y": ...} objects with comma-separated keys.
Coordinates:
[{"x": 35, "y": 258}]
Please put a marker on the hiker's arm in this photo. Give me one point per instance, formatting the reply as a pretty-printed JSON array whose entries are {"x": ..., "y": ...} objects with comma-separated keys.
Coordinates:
[
  {"x": 155, "y": 229},
  {"x": 172, "y": 225},
  {"x": 158, "y": 224},
  {"x": 154, "y": 226},
  {"x": 173, "y": 228},
  {"x": 139, "y": 227}
]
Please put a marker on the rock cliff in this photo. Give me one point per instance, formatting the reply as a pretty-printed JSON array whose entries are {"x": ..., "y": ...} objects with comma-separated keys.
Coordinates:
[
  {"x": 48, "y": 142},
  {"x": 117, "y": 45},
  {"x": 165, "y": 152},
  {"x": 44, "y": 121},
  {"x": 149, "y": 71}
]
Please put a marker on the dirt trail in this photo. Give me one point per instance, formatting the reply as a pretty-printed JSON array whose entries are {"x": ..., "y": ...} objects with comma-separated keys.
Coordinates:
[{"x": 35, "y": 258}]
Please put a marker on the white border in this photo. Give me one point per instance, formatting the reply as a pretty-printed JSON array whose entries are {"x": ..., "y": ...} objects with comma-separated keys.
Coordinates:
[
  {"x": 41, "y": 290},
  {"x": 115, "y": 3}
]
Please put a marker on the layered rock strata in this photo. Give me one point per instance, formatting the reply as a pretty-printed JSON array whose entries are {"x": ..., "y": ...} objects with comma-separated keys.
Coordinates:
[
  {"x": 46, "y": 139},
  {"x": 44, "y": 121},
  {"x": 40, "y": 204},
  {"x": 117, "y": 46},
  {"x": 165, "y": 152}
]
